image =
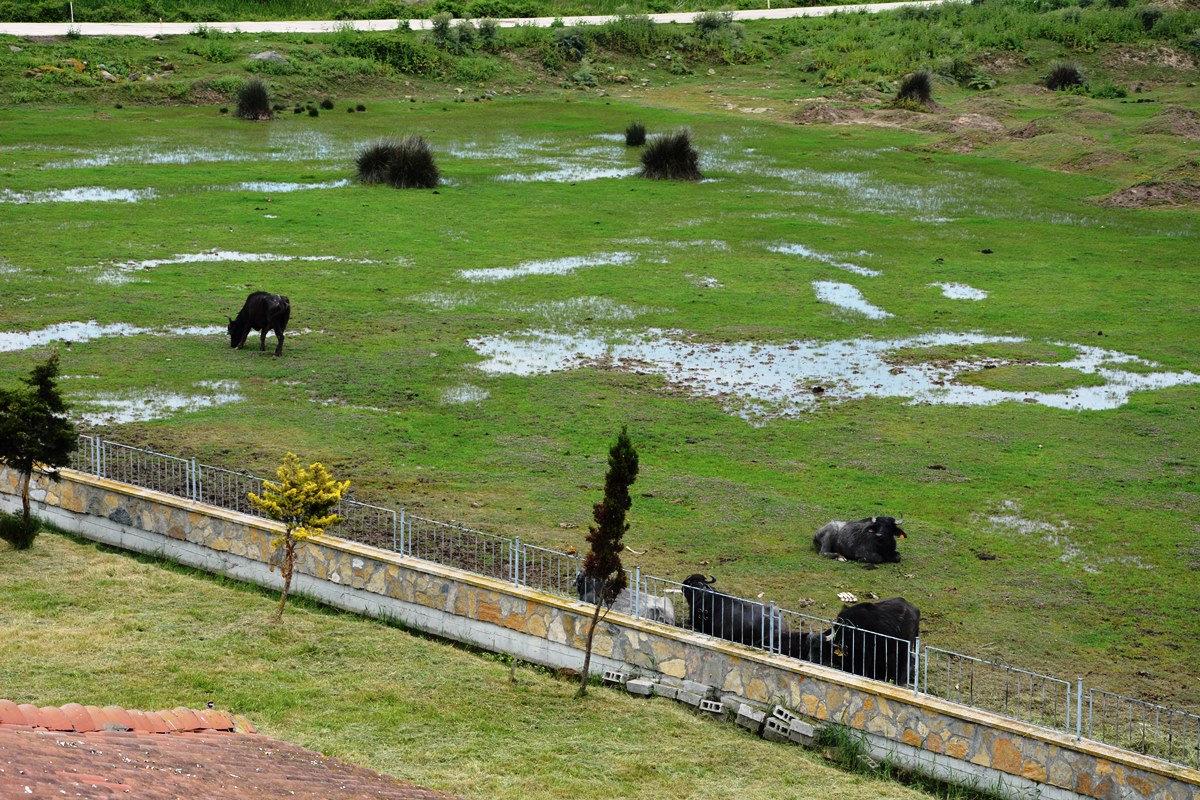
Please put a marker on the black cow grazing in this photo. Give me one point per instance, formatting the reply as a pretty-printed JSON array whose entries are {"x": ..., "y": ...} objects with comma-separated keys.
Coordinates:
[
  {"x": 874, "y": 640},
  {"x": 871, "y": 540},
  {"x": 726, "y": 616},
  {"x": 649, "y": 606},
  {"x": 261, "y": 312}
]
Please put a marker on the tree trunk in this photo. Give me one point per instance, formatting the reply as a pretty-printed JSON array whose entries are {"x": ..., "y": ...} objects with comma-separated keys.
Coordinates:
[
  {"x": 587, "y": 653},
  {"x": 26, "y": 477},
  {"x": 289, "y": 564}
]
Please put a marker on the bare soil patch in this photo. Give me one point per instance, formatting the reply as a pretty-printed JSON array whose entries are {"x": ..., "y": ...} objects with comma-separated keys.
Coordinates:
[
  {"x": 1038, "y": 127},
  {"x": 1163, "y": 193},
  {"x": 963, "y": 123},
  {"x": 1096, "y": 160},
  {"x": 828, "y": 114},
  {"x": 1001, "y": 61},
  {"x": 1182, "y": 122},
  {"x": 1158, "y": 55}
]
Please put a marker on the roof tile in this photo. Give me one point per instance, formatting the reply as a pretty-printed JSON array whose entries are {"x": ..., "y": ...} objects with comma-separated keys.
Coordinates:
[
  {"x": 55, "y": 719},
  {"x": 188, "y": 720},
  {"x": 119, "y": 716},
  {"x": 32, "y": 714},
  {"x": 10, "y": 714},
  {"x": 97, "y": 717},
  {"x": 81, "y": 720}
]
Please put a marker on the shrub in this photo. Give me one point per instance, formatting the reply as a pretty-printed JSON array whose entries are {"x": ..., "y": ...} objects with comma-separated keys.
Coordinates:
[
  {"x": 18, "y": 533},
  {"x": 709, "y": 23},
  {"x": 224, "y": 110},
  {"x": 916, "y": 88},
  {"x": 1109, "y": 91},
  {"x": 372, "y": 163},
  {"x": 671, "y": 157},
  {"x": 635, "y": 134},
  {"x": 980, "y": 81},
  {"x": 298, "y": 110},
  {"x": 488, "y": 33},
  {"x": 327, "y": 104},
  {"x": 585, "y": 75},
  {"x": 360, "y": 107},
  {"x": 313, "y": 112},
  {"x": 1148, "y": 16},
  {"x": 253, "y": 100},
  {"x": 1064, "y": 75}
]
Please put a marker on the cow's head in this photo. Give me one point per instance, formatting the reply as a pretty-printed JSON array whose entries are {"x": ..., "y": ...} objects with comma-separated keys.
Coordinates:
[
  {"x": 238, "y": 331},
  {"x": 698, "y": 581},
  {"x": 887, "y": 526}
]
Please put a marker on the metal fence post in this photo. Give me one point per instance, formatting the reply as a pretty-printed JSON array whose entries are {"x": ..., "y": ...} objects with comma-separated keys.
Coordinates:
[
  {"x": 516, "y": 560},
  {"x": 101, "y": 459},
  {"x": 402, "y": 532},
  {"x": 1078, "y": 708},
  {"x": 917, "y": 666},
  {"x": 394, "y": 531},
  {"x": 637, "y": 585},
  {"x": 771, "y": 630}
]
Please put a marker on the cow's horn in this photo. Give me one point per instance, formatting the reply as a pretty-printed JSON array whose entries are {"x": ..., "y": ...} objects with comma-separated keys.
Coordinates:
[
  {"x": 874, "y": 520},
  {"x": 829, "y": 637},
  {"x": 711, "y": 580}
]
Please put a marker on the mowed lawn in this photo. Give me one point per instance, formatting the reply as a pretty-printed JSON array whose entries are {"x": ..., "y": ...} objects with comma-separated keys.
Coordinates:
[
  {"x": 1056, "y": 539},
  {"x": 83, "y": 624}
]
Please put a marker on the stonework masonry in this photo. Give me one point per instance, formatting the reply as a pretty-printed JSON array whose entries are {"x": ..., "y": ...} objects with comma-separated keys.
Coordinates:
[{"x": 946, "y": 739}]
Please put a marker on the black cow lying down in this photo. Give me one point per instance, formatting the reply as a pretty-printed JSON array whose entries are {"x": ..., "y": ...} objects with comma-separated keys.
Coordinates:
[
  {"x": 874, "y": 640},
  {"x": 261, "y": 312},
  {"x": 871, "y": 540}
]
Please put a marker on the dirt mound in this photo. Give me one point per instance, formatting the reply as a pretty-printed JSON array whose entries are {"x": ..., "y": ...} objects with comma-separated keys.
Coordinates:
[
  {"x": 1001, "y": 61},
  {"x": 828, "y": 114},
  {"x": 1181, "y": 122},
  {"x": 1157, "y": 193},
  {"x": 965, "y": 142},
  {"x": 962, "y": 123},
  {"x": 1091, "y": 118},
  {"x": 1158, "y": 55},
  {"x": 1038, "y": 127},
  {"x": 1096, "y": 160}
]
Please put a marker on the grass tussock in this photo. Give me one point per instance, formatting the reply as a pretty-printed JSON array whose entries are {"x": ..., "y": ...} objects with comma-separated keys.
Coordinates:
[
  {"x": 16, "y": 532},
  {"x": 1064, "y": 75},
  {"x": 254, "y": 100},
  {"x": 404, "y": 164},
  {"x": 916, "y": 88},
  {"x": 671, "y": 157},
  {"x": 635, "y": 134}
]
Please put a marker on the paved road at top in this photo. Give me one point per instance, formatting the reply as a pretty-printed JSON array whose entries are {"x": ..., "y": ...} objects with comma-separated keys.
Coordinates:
[{"x": 328, "y": 26}]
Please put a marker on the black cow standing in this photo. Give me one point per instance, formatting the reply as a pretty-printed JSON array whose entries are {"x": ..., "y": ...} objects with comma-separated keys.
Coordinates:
[
  {"x": 728, "y": 617},
  {"x": 871, "y": 540},
  {"x": 874, "y": 640},
  {"x": 261, "y": 312}
]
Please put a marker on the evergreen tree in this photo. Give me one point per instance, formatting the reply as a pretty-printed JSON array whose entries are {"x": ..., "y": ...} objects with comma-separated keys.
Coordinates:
[
  {"x": 34, "y": 430},
  {"x": 602, "y": 564}
]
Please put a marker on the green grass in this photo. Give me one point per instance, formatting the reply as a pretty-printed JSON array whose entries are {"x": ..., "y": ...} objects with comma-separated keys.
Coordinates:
[
  {"x": 97, "y": 627},
  {"x": 1031, "y": 378},
  {"x": 361, "y": 387}
]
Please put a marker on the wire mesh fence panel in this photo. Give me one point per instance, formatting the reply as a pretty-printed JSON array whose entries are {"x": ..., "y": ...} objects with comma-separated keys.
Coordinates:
[
  {"x": 366, "y": 524},
  {"x": 83, "y": 458},
  {"x": 548, "y": 570},
  {"x": 803, "y": 637},
  {"x": 145, "y": 468},
  {"x": 227, "y": 489},
  {"x": 459, "y": 547},
  {"x": 734, "y": 619},
  {"x": 1143, "y": 727},
  {"x": 991, "y": 686}
]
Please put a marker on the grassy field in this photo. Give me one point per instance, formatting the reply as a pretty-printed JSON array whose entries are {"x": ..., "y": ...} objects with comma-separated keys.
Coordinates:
[
  {"x": 83, "y": 624},
  {"x": 1058, "y": 540}
]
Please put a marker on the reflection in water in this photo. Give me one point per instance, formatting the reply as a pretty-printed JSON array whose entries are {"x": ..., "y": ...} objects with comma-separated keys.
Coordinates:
[{"x": 760, "y": 380}]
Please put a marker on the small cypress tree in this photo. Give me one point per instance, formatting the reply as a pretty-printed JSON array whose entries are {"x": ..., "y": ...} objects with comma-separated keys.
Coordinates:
[
  {"x": 301, "y": 501},
  {"x": 34, "y": 430},
  {"x": 602, "y": 564}
]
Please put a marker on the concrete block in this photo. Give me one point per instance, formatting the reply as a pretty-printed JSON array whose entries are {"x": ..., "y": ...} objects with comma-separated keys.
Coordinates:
[
  {"x": 702, "y": 689},
  {"x": 662, "y": 690},
  {"x": 750, "y": 718},
  {"x": 640, "y": 686},
  {"x": 802, "y": 733},
  {"x": 713, "y": 707},
  {"x": 691, "y": 698},
  {"x": 774, "y": 730},
  {"x": 783, "y": 715},
  {"x": 615, "y": 676}
]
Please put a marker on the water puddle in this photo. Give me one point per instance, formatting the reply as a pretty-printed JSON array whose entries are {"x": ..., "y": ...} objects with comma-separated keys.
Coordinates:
[
  {"x": 547, "y": 160},
  {"x": 848, "y": 297},
  {"x": 557, "y": 266},
  {"x": 704, "y": 282},
  {"x": 283, "y": 187},
  {"x": 959, "y": 291},
  {"x": 445, "y": 301},
  {"x": 467, "y": 393},
  {"x": 119, "y": 408},
  {"x": 824, "y": 258},
  {"x": 1056, "y": 536},
  {"x": 73, "y": 332},
  {"x": 290, "y": 146},
  {"x": 572, "y": 311},
  {"x": 79, "y": 194},
  {"x": 758, "y": 381},
  {"x": 118, "y": 272},
  {"x": 569, "y": 173}
]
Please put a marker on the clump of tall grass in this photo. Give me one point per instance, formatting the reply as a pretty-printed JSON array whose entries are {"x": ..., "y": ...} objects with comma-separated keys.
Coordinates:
[
  {"x": 404, "y": 164},
  {"x": 1064, "y": 75},
  {"x": 916, "y": 88},
  {"x": 313, "y": 111},
  {"x": 253, "y": 100},
  {"x": 327, "y": 104},
  {"x": 635, "y": 134},
  {"x": 16, "y": 532},
  {"x": 671, "y": 157}
]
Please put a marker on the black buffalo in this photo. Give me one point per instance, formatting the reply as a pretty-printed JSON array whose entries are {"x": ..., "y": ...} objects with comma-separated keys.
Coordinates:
[
  {"x": 871, "y": 540},
  {"x": 726, "y": 616},
  {"x": 874, "y": 640},
  {"x": 649, "y": 606},
  {"x": 261, "y": 312}
]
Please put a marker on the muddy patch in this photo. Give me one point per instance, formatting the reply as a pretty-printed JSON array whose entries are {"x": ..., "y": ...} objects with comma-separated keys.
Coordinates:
[
  {"x": 79, "y": 194},
  {"x": 824, "y": 258},
  {"x": 557, "y": 266},
  {"x": 72, "y": 332},
  {"x": 1161, "y": 193},
  {"x": 959, "y": 291},
  {"x": 123, "y": 407},
  {"x": 758, "y": 381},
  {"x": 847, "y": 297}
]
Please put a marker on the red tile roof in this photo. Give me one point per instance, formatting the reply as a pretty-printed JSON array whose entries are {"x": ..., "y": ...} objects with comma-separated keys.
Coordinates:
[{"x": 89, "y": 752}]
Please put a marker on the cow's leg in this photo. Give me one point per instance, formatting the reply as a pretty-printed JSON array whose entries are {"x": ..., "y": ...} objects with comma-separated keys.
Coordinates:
[
  {"x": 278, "y": 341},
  {"x": 262, "y": 338},
  {"x": 896, "y": 558}
]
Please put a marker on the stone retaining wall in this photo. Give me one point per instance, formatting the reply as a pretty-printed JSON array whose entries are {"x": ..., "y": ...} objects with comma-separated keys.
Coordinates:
[{"x": 944, "y": 738}]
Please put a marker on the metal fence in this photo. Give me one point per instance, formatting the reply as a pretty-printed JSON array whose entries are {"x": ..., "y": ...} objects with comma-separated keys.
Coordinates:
[{"x": 1157, "y": 731}]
